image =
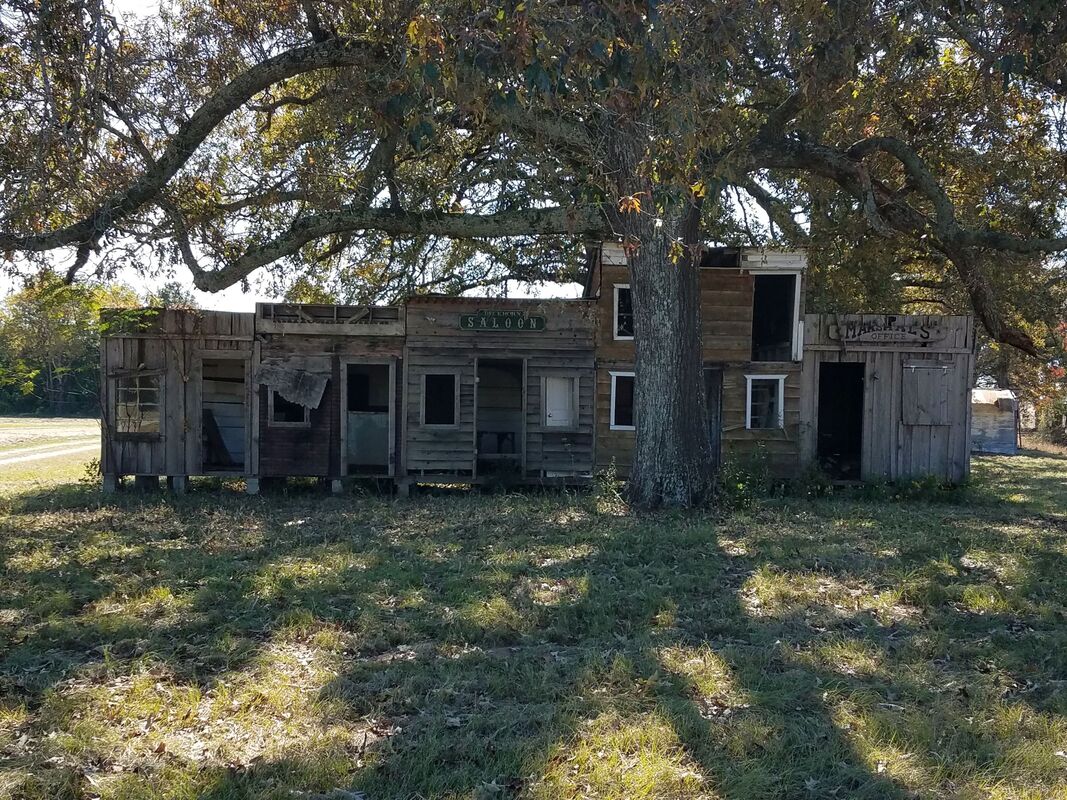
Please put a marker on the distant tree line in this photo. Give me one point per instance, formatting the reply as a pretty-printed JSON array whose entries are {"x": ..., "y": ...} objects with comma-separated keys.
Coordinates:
[{"x": 50, "y": 341}]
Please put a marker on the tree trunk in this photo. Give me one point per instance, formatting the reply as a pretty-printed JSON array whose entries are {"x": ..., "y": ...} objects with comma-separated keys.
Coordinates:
[{"x": 673, "y": 463}]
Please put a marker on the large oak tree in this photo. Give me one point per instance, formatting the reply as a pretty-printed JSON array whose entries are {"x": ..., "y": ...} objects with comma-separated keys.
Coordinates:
[{"x": 419, "y": 146}]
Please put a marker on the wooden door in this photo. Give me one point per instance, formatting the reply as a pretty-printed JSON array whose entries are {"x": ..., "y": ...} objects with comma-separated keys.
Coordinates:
[{"x": 713, "y": 395}]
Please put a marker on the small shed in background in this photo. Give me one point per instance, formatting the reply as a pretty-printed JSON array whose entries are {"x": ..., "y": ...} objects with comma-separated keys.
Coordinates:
[{"x": 994, "y": 421}]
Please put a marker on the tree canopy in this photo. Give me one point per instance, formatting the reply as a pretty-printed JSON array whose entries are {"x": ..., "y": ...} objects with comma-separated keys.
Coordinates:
[
  {"x": 50, "y": 343},
  {"x": 378, "y": 149}
]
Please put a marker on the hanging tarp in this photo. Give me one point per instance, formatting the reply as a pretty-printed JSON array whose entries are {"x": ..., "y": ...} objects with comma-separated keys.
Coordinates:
[{"x": 298, "y": 380}]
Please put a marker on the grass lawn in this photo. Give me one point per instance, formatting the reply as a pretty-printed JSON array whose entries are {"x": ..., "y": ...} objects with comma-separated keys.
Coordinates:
[
  {"x": 551, "y": 646},
  {"x": 21, "y": 432},
  {"x": 46, "y": 439}
]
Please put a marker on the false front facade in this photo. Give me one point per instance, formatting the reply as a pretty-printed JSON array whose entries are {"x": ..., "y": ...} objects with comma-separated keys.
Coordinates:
[{"x": 477, "y": 390}]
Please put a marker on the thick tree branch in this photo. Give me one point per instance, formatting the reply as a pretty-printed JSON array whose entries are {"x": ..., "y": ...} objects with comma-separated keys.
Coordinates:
[
  {"x": 943, "y": 233},
  {"x": 776, "y": 211},
  {"x": 400, "y": 223},
  {"x": 922, "y": 178},
  {"x": 318, "y": 33},
  {"x": 300, "y": 60}
]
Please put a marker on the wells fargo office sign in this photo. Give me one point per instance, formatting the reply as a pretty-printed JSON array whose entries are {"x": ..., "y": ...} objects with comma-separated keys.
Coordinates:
[
  {"x": 505, "y": 321},
  {"x": 885, "y": 330}
]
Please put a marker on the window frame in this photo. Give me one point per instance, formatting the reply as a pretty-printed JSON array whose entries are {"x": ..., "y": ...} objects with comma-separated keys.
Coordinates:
[
  {"x": 272, "y": 423},
  {"x": 615, "y": 313},
  {"x": 611, "y": 412},
  {"x": 143, "y": 436},
  {"x": 781, "y": 400},
  {"x": 422, "y": 400},
  {"x": 575, "y": 396},
  {"x": 797, "y": 338}
]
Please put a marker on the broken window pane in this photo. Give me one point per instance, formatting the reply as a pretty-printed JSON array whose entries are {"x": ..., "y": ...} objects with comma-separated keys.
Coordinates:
[{"x": 137, "y": 404}]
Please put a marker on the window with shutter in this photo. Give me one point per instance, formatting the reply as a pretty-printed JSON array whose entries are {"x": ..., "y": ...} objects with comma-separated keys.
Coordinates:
[{"x": 925, "y": 391}]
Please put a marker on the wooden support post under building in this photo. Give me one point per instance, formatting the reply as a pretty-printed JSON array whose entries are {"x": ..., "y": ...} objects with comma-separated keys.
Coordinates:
[
  {"x": 177, "y": 483},
  {"x": 403, "y": 487},
  {"x": 111, "y": 483},
  {"x": 336, "y": 486},
  {"x": 252, "y": 485},
  {"x": 146, "y": 483}
]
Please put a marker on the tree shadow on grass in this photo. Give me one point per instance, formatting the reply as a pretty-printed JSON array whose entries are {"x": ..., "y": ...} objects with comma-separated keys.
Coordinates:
[{"x": 526, "y": 645}]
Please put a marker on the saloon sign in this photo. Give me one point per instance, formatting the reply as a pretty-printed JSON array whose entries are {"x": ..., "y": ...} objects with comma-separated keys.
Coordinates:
[
  {"x": 507, "y": 321},
  {"x": 885, "y": 330}
]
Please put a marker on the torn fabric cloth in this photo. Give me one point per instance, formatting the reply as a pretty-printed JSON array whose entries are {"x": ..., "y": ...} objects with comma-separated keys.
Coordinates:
[{"x": 298, "y": 386}]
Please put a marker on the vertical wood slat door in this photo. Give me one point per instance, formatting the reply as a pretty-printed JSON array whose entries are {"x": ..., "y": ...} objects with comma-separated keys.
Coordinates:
[
  {"x": 926, "y": 388},
  {"x": 713, "y": 396}
]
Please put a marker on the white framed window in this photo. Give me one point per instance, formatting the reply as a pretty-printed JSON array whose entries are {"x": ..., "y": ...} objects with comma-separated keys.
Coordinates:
[
  {"x": 764, "y": 402},
  {"x": 137, "y": 405},
  {"x": 776, "y": 321},
  {"x": 623, "y": 316},
  {"x": 440, "y": 399},
  {"x": 282, "y": 413},
  {"x": 559, "y": 401},
  {"x": 622, "y": 401}
]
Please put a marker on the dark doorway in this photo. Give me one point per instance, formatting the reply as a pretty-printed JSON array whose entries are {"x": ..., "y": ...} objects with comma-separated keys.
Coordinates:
[
  {"x": 841, "y": 419},
  {"x": 499, "y": 416},
  {"x": 222, "y": 414}
]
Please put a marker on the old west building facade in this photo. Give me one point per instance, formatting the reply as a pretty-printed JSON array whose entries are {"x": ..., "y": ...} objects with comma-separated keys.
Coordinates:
[
  {"x": 471, "y": 390},
  {"x": 750, "y": 308}
]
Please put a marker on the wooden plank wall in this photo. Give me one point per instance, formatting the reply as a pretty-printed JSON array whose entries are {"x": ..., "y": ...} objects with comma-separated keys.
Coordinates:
[
  {"x": 892, "y": 448},
  {"x": 781, "y": 446},
  {"x": 314, "y": 451},
  {"x": 435, "y": 343},
  {"x": 169, "y": 340},
  {"x": 726, "y": 338}
]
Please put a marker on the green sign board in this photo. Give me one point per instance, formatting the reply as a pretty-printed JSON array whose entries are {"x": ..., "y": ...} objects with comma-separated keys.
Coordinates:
[{"x": 506, "y": 321}]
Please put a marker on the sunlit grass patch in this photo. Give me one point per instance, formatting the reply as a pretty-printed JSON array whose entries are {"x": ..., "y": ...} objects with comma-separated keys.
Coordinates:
[
  {"x": 547, "y": 591},
  {"x": 709, "y": 674},
  {"x": 496, "y": 619},
  {"x": 614, "y": 756},
  {"x": 774, "y": 592}
]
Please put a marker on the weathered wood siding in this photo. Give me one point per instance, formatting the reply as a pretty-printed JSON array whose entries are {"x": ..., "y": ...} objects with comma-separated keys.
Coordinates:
[
  {"x": 726, "y": 296},
  {"x": 436, "y": 344},
  {"x": 171, "y": 343},
  {"x": 916, "y": 400},
  {"x": 315, "y": 451}
]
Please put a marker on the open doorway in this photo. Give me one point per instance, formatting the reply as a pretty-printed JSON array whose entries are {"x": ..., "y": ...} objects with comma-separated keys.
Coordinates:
[
  {"x": 841, "y": 419},
  {"x": 498, "y": 428},
  {"x": 222, "y": 415},
  {"x": 367, "y": 419}
]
